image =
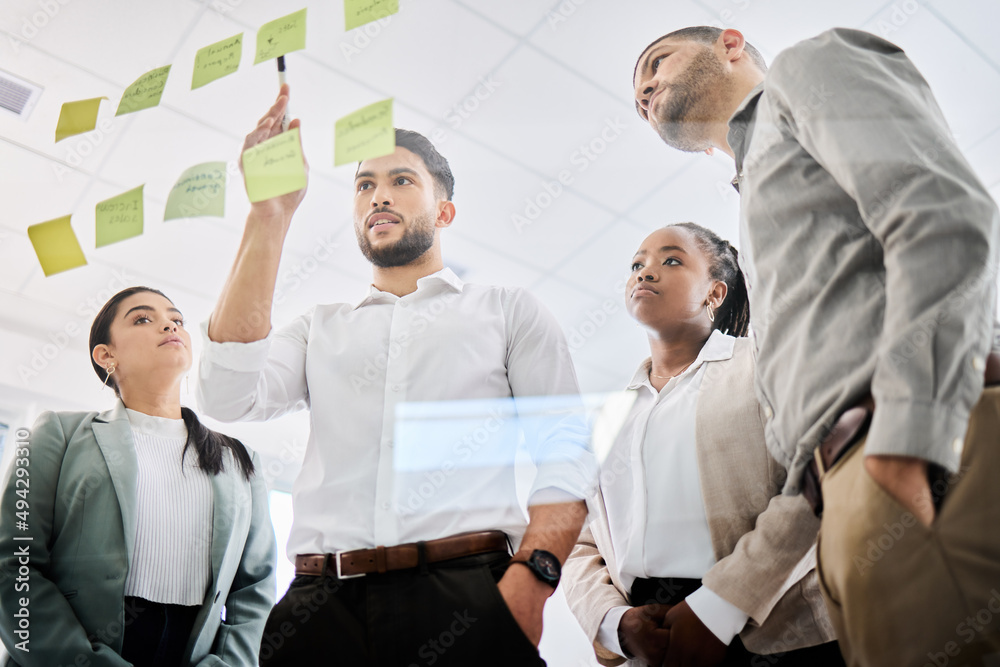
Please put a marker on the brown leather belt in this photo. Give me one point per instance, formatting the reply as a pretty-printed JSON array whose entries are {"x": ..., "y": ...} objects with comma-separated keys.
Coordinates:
[
  {"x": 357, "y": 563},
  {"x": 849, "y": 428}
]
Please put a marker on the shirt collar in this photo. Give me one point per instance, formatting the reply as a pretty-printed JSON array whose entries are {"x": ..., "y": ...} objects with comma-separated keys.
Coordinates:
[
  {"x": 718, "y": 347},
  {"x": 740, "y": 127},
  {"x": 445, "y": 277}
]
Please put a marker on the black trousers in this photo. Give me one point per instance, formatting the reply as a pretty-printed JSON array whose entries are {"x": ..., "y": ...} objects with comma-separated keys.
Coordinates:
[
  {"x": 156, "y": 634},
  {"x": 673, "y": 591},
  {"x": 446, "y": 614}
]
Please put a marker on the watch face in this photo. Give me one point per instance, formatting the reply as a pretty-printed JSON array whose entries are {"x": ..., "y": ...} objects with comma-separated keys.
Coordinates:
[{"x": 546, "y": 565}]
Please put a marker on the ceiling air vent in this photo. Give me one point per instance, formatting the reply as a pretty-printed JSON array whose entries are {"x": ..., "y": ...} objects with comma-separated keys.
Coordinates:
[{"x": 17, "y": 96}]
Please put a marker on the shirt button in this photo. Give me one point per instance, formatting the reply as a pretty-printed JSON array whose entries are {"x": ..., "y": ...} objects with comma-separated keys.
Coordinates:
[
  {"x": 957, "y": 445},
  {"x": 395, "y": 387},
  {"x": 978, "y": 363},
  {"x": 385, "y": 505},
  {"x": 768, "y": 412}
]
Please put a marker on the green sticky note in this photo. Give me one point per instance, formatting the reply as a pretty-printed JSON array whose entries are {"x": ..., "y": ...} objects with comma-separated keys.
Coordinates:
[
  {"x": 359, "y": 12},
  {"x": 200, "y": 191},
  {"x": 217, "y": 60},
  {"x": 145, "y": 92},
  {"x": 281, "y": 36},
  {"x": 364, "y": 134},
  {"x": 274, "y": 167},
  {"x": 56, "y": 246},
  {"x": 78, "y": 117},
  {"x": 120, "y": 217}
]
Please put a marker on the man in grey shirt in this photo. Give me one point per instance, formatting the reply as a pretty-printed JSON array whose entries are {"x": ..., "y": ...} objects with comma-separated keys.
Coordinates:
[{"x": 870, "y": 249}]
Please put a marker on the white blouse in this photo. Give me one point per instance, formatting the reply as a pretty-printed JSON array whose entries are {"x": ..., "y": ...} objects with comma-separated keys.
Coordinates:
[
  {"x": 172, "y": 556},
  {"x": 656, "y": 511}
]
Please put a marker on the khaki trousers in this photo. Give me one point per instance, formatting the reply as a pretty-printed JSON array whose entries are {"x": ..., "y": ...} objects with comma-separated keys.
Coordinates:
[{"x": 903, "y": 594}]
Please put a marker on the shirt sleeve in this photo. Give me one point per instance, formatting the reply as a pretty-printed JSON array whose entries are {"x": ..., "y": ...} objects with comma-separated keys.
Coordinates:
[
  {"x": 725, "y": 620},
  {"x": 255, "y": 381},
  {"x": 547, "y": 398},
  {"x": 861, "y": 109},
  {"x": 607, "y": 633}
]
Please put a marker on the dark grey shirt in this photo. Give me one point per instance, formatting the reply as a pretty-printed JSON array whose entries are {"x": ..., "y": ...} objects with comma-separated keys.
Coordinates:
[{"x": 870, "y": 249}]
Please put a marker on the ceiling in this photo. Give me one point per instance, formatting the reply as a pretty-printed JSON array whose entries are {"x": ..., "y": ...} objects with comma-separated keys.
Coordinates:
[{"x": 512, "y": 92}]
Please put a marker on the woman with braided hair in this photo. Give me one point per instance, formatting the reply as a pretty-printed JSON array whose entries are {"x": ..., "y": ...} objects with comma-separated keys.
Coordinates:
[{"x": 692, "y": 556}]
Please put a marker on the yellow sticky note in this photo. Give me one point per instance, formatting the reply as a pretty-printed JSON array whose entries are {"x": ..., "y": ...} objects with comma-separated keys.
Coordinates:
[
  {"x": 275, "y": 167},
  {"x": 120, "y": 217},
  {"x": 364, "y": 134},
  {"x": 281, "y": 36},
  {"x": 78, "y": 117},
  {"x": 359, "y": 12},
  {"x": 200, "y": 191},
  {"x": 144, "y": 92},
  {"x": 217, "y": 60},
  {"x": 56, "y": 246}
]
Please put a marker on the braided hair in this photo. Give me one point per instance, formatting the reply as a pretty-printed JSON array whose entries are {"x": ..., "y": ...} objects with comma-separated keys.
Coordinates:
[{"x": 733, "y": 315}]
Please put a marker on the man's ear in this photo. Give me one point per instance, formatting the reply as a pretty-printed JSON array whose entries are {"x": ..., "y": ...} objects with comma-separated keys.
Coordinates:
[
  {"x": 446, "y": 213},
  {"x": 732, "y": 43},
  {"x": 102, "y": 355}
]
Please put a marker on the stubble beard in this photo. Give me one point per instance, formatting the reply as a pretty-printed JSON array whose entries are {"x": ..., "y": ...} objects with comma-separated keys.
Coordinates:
[
  {"x": 415, "y": 242},
  {"x": 685, "y": 119}
]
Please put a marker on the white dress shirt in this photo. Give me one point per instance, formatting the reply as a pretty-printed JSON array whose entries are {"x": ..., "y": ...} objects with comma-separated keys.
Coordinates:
[
  {"x": 172, "y": 553},
  {"x": 655, "y": 510},
  {"x": 417, "y": 407}
]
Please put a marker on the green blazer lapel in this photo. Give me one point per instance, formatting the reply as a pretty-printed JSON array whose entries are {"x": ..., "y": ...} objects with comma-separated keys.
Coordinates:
[
  {"x": 225, "y": 509},
  {"x": 114, "y": 436}
]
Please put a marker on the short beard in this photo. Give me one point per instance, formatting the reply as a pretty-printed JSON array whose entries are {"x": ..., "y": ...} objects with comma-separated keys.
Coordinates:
[
  {"x": 684, "y": 120},
  {"x": 417, "y": 240}
]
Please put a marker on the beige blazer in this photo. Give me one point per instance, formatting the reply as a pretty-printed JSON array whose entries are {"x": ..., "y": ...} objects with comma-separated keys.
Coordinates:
[{"x": 758, "y": 535}]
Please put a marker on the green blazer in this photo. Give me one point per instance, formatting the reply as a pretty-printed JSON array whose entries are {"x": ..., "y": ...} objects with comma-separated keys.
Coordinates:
[{"x": 81, "y": 516}]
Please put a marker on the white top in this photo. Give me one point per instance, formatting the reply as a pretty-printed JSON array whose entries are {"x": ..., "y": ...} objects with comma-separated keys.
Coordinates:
[
  {"x": 654, "y": 503},
  {"x": 172, "y": 554},
  {"x": 413, "y": 427}
]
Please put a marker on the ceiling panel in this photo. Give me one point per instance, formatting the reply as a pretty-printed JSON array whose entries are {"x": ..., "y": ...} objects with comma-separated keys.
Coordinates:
[{"x": 509, "y": 91}]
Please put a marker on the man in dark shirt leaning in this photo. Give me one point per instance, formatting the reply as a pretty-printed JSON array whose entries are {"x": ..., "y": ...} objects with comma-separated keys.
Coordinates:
[{"x": 870, "y": 249}]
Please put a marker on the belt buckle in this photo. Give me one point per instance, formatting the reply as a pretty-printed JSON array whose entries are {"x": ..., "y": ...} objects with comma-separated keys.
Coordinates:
[{"x": 340, "y": 574}]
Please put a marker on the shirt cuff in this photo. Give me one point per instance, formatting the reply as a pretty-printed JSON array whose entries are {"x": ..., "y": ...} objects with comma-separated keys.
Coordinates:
[
  {"x": 242, "y": 357},
  {"x": 928, "y": 431},
  {"x": 724, "y": 619},
  {"x": 607, "y": 633}
]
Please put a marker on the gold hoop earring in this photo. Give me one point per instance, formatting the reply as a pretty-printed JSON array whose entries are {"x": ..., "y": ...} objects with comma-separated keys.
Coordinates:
[
  {"x": 711, "y": 312},
  {"x": 109, "y": 370}
]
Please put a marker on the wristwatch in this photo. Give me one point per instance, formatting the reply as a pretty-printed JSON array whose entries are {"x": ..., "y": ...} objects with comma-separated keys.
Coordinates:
[{"x": 543, "y": 565}]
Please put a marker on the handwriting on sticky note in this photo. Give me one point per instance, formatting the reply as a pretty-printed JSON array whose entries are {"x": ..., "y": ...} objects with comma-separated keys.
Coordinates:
[
  {"x": 120, "y": 217},
  {"x": 359, "y": 12},
  {"x": 364, "y": 134},
  {"x": 274, "y": 167},
  {"x": 217, "y": 60},
  {"x": 200, "y": 191},
  {"x": 281, "y": 36},
  {"x": 78, "y": 117},
  {"x": 56, "y": 246},
  {"x": 145, "y": 92}
]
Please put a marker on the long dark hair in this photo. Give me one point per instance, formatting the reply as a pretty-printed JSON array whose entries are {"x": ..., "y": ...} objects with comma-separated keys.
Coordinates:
[
  {"x": 733, "y": 315},
  {"x": 208, "y": 444}
]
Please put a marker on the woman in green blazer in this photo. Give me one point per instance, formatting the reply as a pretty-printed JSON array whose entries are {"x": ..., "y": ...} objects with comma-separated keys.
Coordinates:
[{"x": 135, "y": 536}]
